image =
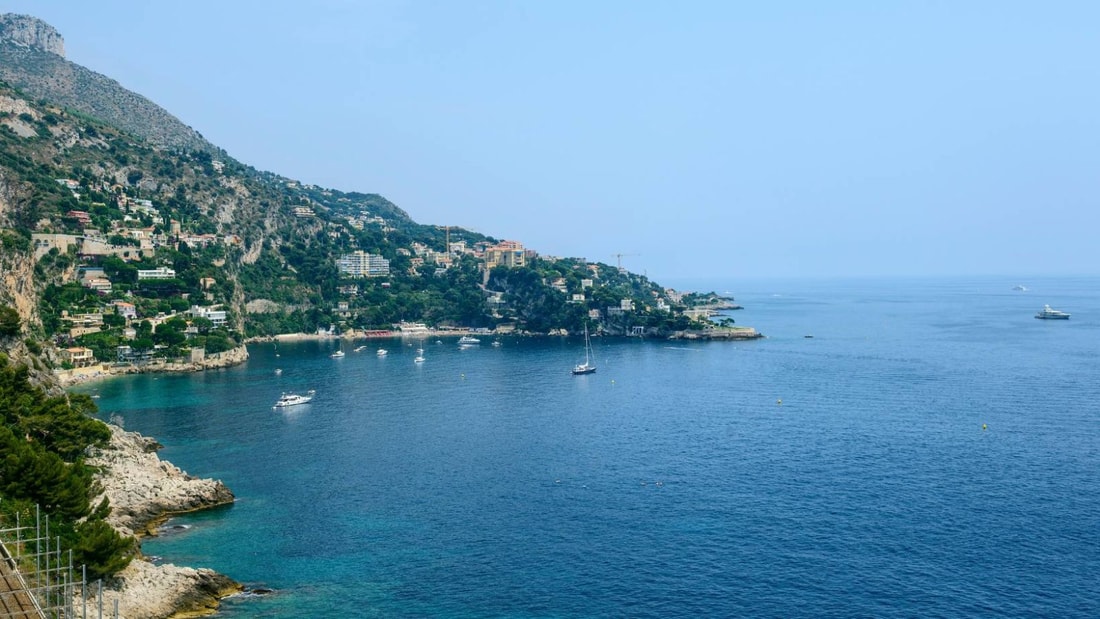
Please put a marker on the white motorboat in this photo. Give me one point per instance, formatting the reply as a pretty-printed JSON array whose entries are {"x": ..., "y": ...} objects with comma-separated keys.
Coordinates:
[
  {"x": 294, "y": 399},
  {"x": 337, "y": 354},
  {"x": 467, "y": 340},
  {"x": 382, "y": 352}
]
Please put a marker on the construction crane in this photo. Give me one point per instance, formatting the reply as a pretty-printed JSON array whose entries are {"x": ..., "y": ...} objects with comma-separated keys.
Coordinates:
[{"x": 619, "y": 259}]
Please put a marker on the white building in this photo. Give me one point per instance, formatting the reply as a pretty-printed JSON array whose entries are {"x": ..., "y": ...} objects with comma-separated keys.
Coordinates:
[
  {"x": 215, "y": 316},
  {"x": 362, "y": 264},
  {"x": 157, "y": 273}
]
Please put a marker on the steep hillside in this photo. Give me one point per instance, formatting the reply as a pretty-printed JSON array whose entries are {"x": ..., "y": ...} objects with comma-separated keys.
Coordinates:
[
  {"x": 116, "y": 240},
  {"x": 32, "y": 58}
]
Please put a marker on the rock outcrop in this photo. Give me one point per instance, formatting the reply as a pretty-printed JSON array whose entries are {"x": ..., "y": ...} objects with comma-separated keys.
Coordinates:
[
  {"x": 147, "y": 591},
  {"x": 27, "y": 31},
  {"x": 143, "y": 489}
]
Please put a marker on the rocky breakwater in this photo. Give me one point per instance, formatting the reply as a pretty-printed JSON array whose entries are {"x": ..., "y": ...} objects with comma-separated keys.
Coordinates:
[
  {"x": 143, "y": 491},
  {"x": 718, "y": 333}
]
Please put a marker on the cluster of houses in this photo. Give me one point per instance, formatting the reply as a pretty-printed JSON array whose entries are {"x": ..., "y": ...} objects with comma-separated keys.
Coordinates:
[
  {"x": 142, "y": 241},
  {"x": 364, "y": 264},
  {"x": 78, "y": 325}
]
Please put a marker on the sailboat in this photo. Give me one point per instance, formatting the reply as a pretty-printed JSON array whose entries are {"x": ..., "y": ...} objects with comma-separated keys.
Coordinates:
[{"x": 587, "y": 367}]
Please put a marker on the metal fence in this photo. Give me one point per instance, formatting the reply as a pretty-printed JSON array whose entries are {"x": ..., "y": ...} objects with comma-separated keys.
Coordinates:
[{"x": 38, "y": 579}]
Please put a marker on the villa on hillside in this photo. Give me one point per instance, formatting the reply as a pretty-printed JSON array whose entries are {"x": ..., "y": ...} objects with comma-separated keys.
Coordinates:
[{"x": 505, "y": 253}]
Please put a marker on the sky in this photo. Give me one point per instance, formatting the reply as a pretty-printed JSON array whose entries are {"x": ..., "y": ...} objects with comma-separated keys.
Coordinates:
[{"x": 696, "y": 139}]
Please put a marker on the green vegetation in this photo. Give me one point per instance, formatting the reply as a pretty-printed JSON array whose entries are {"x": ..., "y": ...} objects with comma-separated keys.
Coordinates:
[
  {"x": 9, "y": 321},
  {"x": 42, "y": 442}
]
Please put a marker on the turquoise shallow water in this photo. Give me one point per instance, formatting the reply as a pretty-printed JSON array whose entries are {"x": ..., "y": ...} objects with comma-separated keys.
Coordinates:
[{"x": 488, "y": 482}]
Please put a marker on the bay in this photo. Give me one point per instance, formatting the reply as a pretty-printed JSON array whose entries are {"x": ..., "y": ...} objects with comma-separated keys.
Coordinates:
[{"x": 932, "y": 450}]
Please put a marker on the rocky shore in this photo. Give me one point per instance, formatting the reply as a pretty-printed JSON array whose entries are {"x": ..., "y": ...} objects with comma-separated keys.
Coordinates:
[
  {"x": 235, "y": 356},
  {"x": 144, "y": 490}
]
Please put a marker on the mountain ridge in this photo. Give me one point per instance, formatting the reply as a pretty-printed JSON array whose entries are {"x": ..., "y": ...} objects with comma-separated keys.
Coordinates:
[{"x": 32, "y": 59}]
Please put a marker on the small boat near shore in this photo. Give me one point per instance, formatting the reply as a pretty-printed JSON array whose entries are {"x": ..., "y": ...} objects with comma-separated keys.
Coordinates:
[
  {"x": 1047, "y": 313},
  {"x": 338, "y": 354},
  {"x": 467, "y": 340},
  {"x": 382, "y": 352},
  {"x": 360, "y": 348},
  {"x": 294, "y": 399}
]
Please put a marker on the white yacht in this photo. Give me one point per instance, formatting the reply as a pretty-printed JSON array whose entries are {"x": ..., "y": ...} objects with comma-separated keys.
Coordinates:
[
  {"x": 382, "y": 352},
  {"x": 1051, "y": 314},
  {"x": 337, "y": 354},
  {"x": 294, "y": 399},
  {"x": 467, "y": 340}
]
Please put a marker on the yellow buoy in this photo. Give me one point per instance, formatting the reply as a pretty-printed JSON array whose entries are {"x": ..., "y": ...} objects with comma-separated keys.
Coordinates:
[{"x": 984, "y": 427}]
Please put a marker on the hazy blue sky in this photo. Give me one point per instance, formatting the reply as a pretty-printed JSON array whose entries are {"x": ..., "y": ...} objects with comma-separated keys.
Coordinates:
[{"x": 707, "y": 138}]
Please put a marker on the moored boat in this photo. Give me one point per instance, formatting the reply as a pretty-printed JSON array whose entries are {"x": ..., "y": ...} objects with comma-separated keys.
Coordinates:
[
  {"x": 1051, "y": 314},
  {"x": 467, "y": 340},
  {"x": 294, "y": 399},
  {"x": 587, "y": 367}
]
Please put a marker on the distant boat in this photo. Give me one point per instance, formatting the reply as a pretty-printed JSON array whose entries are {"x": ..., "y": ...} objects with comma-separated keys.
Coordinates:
[
  {"x": 294, "y": 399},
  {"x": 1020, "y": 288},
  {"x": 337, "y": 354},
  {"x": 382, "y": 352},
  {"x": 278, "y": 371},
  {"x": 360, "y": 348},
  {"x": 1051, "y": 314},
  {"x": 587, "y": 367},
  {"x": 466, "y": 340},
  {"x": 496, "y": 343},
  {"x": 419, "y": 359}
]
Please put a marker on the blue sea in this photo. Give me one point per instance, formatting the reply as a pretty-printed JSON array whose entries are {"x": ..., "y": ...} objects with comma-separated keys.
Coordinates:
[{"x": 932, "y": 450}]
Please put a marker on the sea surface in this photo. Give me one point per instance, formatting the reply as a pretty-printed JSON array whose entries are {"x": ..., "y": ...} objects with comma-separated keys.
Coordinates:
[{"x": 932, "y": 450}]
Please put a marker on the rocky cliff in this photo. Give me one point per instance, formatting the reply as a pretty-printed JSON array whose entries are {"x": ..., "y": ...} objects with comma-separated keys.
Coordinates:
[
  {"x": 32, "y": 59},
  {"x": 31, "y": 32}
]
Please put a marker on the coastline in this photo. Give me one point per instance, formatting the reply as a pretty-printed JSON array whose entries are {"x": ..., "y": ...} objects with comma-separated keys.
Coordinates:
[
  {"x": 144, "y": 491},
  {"x": 78, "y": 376}
]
